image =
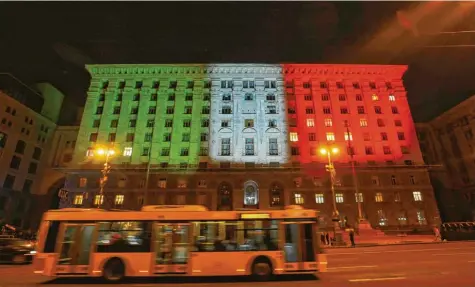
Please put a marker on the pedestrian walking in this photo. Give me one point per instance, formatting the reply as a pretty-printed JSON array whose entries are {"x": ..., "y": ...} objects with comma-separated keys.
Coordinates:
[
  {"x": 322, "y": 238},
  {"x": 352, "y": 237},
  {"x": 327, "y": 236},
  {"x": 437, "y": 234}
]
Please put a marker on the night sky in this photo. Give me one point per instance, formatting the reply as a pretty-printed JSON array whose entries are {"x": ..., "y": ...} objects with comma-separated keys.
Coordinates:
[{"x": 48, "y": 41}]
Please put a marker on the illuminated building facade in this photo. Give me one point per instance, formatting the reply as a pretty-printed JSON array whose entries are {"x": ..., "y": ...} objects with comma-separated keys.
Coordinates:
[
  {"x": 247, "y": 135},
  {"x": 449, "y": 140},
  {"x": 27, "y": 122}
]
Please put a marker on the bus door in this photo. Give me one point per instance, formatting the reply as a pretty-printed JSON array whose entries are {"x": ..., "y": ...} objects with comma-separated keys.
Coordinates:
[
  {"x": 75, "y": 244},
  {"x": 171, "y": 247},
  {"x": 299, "y": 246}
]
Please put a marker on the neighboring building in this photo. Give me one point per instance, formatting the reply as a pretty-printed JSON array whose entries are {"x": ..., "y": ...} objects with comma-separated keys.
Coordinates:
[
  {"x": 449, "y": 140},
  {"x": 247, "y": 135},
  {"x": 27, "y": 122}
]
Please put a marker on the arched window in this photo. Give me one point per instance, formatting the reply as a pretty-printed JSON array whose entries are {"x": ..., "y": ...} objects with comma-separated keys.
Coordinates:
[
  {"x": 225, "y": 198},
  {"x": 276, "y": 195},
  {"x": 251, "y": 193}
]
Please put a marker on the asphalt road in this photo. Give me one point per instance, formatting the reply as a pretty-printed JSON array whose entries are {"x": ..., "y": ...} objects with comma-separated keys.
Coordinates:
[{"x": 420, "y": 265}]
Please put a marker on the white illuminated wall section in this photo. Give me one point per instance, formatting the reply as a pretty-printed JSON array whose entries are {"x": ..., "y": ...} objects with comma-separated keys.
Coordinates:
[{"x": 248, "y": 114}]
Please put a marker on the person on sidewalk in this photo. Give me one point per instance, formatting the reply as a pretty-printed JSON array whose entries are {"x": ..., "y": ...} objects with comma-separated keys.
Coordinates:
[
  {"x": 437, "y": 233},
  {"x": 322, "y": 239},
  {"x": 327, "y": 236},
  {"x": 352, "y": 237}
]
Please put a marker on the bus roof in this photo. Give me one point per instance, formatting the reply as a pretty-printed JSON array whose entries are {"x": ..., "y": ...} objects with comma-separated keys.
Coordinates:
[{"x": 177, "y": 213}]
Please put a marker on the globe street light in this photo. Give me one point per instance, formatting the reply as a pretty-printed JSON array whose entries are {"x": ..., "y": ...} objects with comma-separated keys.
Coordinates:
[
  {"x": 107, "y": 153},
  {"x": 331, "y": 169}
]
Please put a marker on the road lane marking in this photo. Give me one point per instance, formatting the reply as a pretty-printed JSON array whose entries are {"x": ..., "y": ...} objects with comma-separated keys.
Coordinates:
[
  {"x": 471, "y": 261},
  {"x": 376, "y": 279},
  {"x": 446, "y": 254},
  {"x": 403, "y": 250},
  {"x": 352, "y": 267}
]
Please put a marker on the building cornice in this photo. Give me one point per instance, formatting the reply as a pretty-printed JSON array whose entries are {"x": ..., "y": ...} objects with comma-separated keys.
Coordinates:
[{"x": 196, "y": 70}]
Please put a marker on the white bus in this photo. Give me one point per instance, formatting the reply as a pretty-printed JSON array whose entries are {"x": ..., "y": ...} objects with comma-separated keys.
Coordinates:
[{"x": 178, "y": 240}]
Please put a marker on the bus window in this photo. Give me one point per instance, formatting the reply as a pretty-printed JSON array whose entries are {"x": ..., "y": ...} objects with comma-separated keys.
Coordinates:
[
  {"x": 309, "y": 254},
  {"x": 130, "y": 236},
  {"x": 291, "y": 243},
  {"x": 250, "y": 235},
  {"x": 50, "y": 242}
]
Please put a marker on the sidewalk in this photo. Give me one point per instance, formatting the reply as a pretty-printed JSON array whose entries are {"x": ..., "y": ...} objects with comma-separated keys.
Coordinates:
[{"x": 368, "y": 244}]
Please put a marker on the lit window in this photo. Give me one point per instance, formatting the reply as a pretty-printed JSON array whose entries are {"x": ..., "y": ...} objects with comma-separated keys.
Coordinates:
[
  {"x": 90, "y": 152},
  {"x": 375, "y": 97},
  {"x": 378, "y": 197},
  {"x": 128, "y": 151},
  {"x": 162, "y": 183},
  {"x": 382, "y": 218},
  {"x": 298, "y": 198},
  {"x": 363, "y": 123},
  {"x": 82, "y": 182},
  {"x": 98, "y": 199},
  {"x": 330, "y": 136},
  {"x": 310, "y": 122},
  {"x": 392, "y": 98},
  {"x": 417, "y": 195},
  {"x": 294, "y": 137},
  {"x": 328, "y": 122},
  {"x": 359, "y": 197},
  {"x": 119, "y": 199},
  {"x": 348, "y": 136},
  {"x": 339, "y": 198},
  {"x": 319, "y": 198},
  {"x": 78, "y": 199},
  {"x": 397, "y": 197},
  {"x": 421, "y": 218}
]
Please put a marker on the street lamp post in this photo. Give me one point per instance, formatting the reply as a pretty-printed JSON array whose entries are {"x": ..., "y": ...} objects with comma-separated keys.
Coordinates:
[
  {"x": 107, "y": 153},
  {"x": 337, "y": 235}
]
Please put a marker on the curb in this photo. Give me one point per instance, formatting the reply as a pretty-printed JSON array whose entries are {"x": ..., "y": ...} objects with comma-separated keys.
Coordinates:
[{"x": 399, "y": 243}]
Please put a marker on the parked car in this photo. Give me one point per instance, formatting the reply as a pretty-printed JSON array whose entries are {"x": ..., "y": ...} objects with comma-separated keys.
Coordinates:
[{"x": 17, "y": 251}]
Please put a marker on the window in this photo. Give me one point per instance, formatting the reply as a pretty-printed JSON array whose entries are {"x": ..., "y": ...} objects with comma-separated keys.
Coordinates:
[
  {"x": 119, "y": 199},
  {"x": 27, "y": 186},
  {"x": 37, "y": 153},
  {"x": 359, "y": 98},
  {"x": 90, "y": 152},
  {"x": 421, "y": 218},
  {"x": 185, "y": 137},
  {"x": 383, "y": 221},
  {"x": 204, "y": 137},
  {"x": 249, "y": 123},
  {"x": 402, "y": 217},
  {"x": 132, "y": 123},
  {"x": 369, "y": 150},
  {"x": 130, "y": 137},
  {"x": 249, "y": 146},
  {"x": 78, "y": 199},
  {"x": 380, "y": 123},
  {"x": 271, "y": 110},
  {"x": 386, "y": 150},
  {"x": 205, "y": 110},
  {"x": 165, "y": 151},
  {"x": 188, "y": 110},
  {"x": 359, "y": 197},
  {"x": 328, "y": 122},
  {"x": 227, "y": 84},
  {"x": 348, "y": 136},
  {"x": 204, "y": 123},
  {"x": 171, "y": 97},
  {"x": 270, "y": 97},
  {"x": 226, "y": 147},
  {"x": 15, "y": 162},
  {"x": 148, "y": 137},
  {"x": 186, "y": 123},
  {"x": 375, "y": 180},
  {"x": 384, "y": 136},
  {"x": 202, "y": 183},
  {"x": 319, "y": 198},
  {"x": 356, "y": 85},
  {"x": 273, "y": 147},
  {"x": 394, "y": 110},
  {"x": 325, "y": 97},
  {"x": 412, "y": 179},
  {"x": 363, "y": 123},
  {"x": 398, "y": 123},
  {"x": 400, "y": 136},
  {"x": 309, "y": 111},
  {"x": 392, "y": 98},
  {"x": 344, "y": 110},
  {"x": 298, "y": 198},
  {"x": 378, "y": 197},
  {"x": 377, "y": 110},
  {"x": 134, "y": 237},
  {"x": 393, "y": 180},
  {"x": 99, "y": 110},
  {"x": 20, "y": 147},
  {"x": 96, "y": 123},
  {"x": 152, "y": 110},
  {"x": 153, "y": 97},
  {"x": 308, "y": 97},
  {"x": 312, "y": 137},
  {"x": 270, "y": 84},
  {"x": 248, "y": 97},
  {"x": 404, "y": 150},
  {"x": 272, "y": 124},
  {"x": 294, "y": 137},
  {"x": 327, "y": 110},
  {"x": 248, "y": 84},
  {"x": 310, "y": 122},
  {"x": 375, "y": 97},
  {"x": 111, "y": 137},
  {"x": 189, "y": 97},
  {"x": 339, "y": 198},
  {"x": 145, "y": 151},
  {"x": 184, "y": 151},
  {"x": 330, "y": 136},
  {"x": 134, "y": 111},
  {"x": 128, "y": 151},
  {"x": 306, "y": 85},
  {"x": 114, "y": 123},
  {"x": 116, "y": 110},
  {"x": 170, "y": 110},
  {"x": 226, "y": 110},
  {"x": 417, "y": 195},
  {"x": 203, "y": 151},
  {"x": 342, "y": 97},
  {"x": 251, "y": 194},
  {"x": 82, "y": 182},
  {"x": 162, "y": 183},
  {"x": 360, "y": 110},
  {"x": 323, "y": 85}
]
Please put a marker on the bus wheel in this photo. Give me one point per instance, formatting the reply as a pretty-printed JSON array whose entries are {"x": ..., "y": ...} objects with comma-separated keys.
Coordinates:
[
  {"x": 114, "y": 270},
  {"x": 262, "y": 270}
]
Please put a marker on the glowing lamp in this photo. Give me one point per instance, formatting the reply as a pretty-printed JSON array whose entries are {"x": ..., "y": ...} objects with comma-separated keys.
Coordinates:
[
  {"x": 323, "y": 151},
  {"x": 335, "y": 150},
  {"x": 100, "y": 152}
]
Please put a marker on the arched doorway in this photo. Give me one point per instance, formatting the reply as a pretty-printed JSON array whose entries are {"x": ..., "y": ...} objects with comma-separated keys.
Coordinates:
[
  {"x": 225, "y": 196},
  {"x": 251, "y": 194},
  {"x": 276, "y": 195}
]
